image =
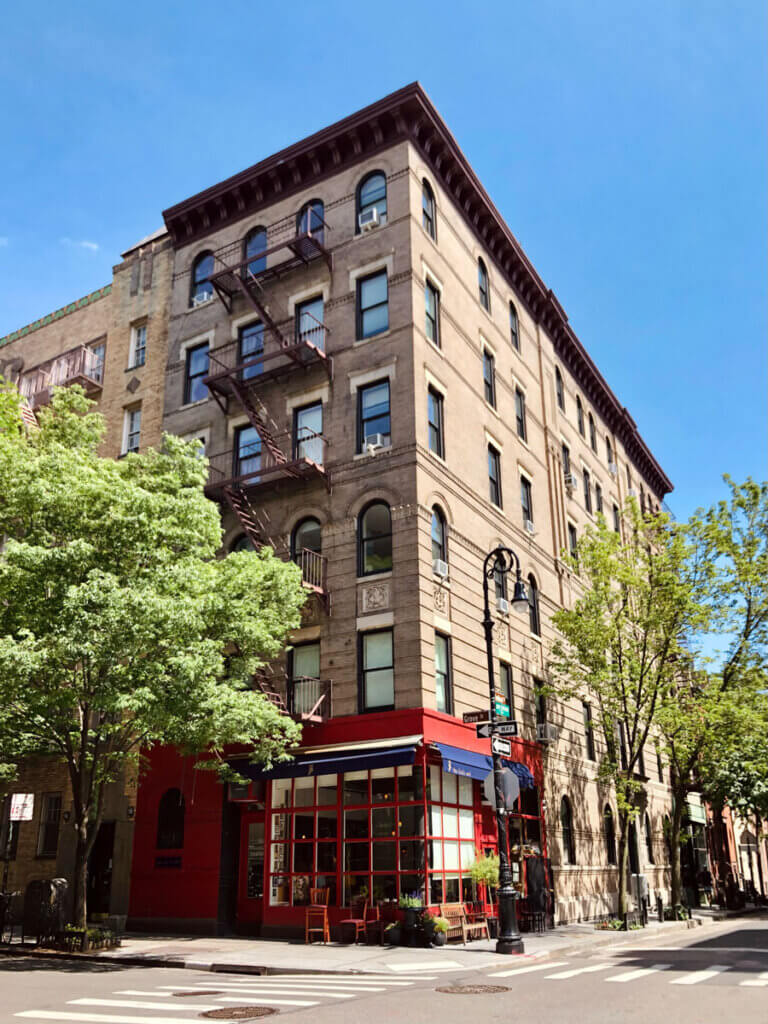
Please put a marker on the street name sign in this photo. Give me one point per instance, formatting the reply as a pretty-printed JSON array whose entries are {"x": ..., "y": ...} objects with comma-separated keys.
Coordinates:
[
  {"x": 501, "y": 746},
  {"x": 470, "y": 717},
  {"x": 502, "y": 708}
]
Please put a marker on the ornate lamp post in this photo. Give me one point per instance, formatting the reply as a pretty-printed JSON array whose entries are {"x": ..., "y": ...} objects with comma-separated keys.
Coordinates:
[{"x": 501, "y": 561}]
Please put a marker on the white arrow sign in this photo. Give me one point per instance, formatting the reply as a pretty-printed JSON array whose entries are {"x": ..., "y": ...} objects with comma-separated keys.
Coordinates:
[{"x": 501, "y": 746}]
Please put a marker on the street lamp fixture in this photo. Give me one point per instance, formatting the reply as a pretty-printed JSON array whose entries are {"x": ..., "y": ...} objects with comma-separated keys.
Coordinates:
[{"x": 500, "y": 562}]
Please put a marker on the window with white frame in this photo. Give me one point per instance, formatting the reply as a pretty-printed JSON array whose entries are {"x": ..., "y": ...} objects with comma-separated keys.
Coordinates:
[
  {"x": 132, "y": 430},
  {"x": 138, "y": 353}
]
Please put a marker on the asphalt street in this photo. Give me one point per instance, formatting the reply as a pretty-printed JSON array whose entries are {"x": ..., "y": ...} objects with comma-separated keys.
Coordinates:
[{"x": 708, "y": 975}]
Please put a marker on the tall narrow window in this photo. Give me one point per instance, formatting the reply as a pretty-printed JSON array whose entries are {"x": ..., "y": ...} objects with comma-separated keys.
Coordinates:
[
  {"x": 307, "y": 535},
  {"x": 372, "y": 305},
  {"x": 534, "y": 618},
  {"x": 573, "y": 542},
  {"x": 649, "y": 839},
  {"x": 505, "y": 685},
  {"x": 616, "y": 519},
  {"x": 592, "y": 433},
  {"x": 201, "y": 288},
  {"x": 589, "y": 732},
  {"x": 251, "y": 346},
  {"x": 310, "y": 322},
  {"x": 372, "y": 195},
  {"x": 438, "y": 531},
  {"x": 254, "y": 246},
  {"x": 522, "y": 427},
  {"x": 483, "y": 286},
  {"x": 659, "y": 764},
  {"x": 540, "y": 703},
  {"x": 170, "y": 821},
  {"x": 95, "y": 366},
  {"x": 432, "y": 313},
  {"x": 566, "y": 459},
  {"x": 514, "y": 327},
  {"x": 629, "y": 479},
  {"x": 435, "y": 422},
  {"x": 310, "y": 220},
  {"x": 48, "y": 833},
  {"x": 494, "y": 475},
  {"x": 608, "y": 451},
  {"x": 580, "y": 416},
  {"x": 132, "y": 430},
  {"x": 195, "y": 388},
  {"x": 587, "y": 491},
  {"x": 610, "y": 834},
  {"x": 598, "y": 498},
  {"x": 303, "y": 675},
  {"x": 526, "y": 499},
  {"x": 443, "y": 673},
  {"x": 374, "y": 539},
  {"x": 500, "y": 584},
  {"x": 138, "y": 346},
  {"x": 566, "y": 824},
  {"x": 377, "y": 670},
  {"x": 373, "y": 415},
  {"x": 559, "y": 389},
  {"x": 428, "y": 219},
  {"x": 489, "y": 377},
  {"x": 247, "y": 452},
  {"x": 9, "y": 832},
  {"x": 308, "y": 441}
]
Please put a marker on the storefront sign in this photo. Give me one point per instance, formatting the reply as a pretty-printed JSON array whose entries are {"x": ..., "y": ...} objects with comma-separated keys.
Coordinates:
[{"x": 22, "y": 806}]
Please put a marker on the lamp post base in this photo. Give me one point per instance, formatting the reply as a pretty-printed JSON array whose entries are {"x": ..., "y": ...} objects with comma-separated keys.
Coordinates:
[
  {"x": 509, "y": 946},
  {"x": 509, "y": 941}
]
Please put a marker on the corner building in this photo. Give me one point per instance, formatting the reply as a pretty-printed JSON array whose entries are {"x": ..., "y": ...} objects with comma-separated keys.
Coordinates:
[{"x": 387, "y": 390}]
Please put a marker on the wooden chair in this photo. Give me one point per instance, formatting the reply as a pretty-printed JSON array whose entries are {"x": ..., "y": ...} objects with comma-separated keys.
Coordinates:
[
  {"x": 359, "y": 911},
  {"x": 459, "y": 925},
  {"x": 316, "y": 915}
]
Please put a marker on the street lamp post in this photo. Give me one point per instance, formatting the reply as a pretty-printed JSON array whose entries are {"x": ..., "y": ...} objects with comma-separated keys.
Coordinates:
[{"x": 502, "y": 560}]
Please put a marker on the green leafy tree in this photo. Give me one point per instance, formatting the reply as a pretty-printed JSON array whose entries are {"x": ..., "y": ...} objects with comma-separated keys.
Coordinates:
[{"x": 119, "y": 627}]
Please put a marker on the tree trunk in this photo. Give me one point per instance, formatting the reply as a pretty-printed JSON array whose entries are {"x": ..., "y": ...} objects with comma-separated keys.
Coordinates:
[
  {"x": 623, "y": 900},
  {"x": 758, "y": 826},
  {"x": 680, "y": 797},
  {"x": 80, "y": 906}
]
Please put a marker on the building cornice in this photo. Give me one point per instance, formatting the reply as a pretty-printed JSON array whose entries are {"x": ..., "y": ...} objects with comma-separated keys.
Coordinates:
[
  {"x": 49, "y": 318},
  {"x": 408, "y": 115}
]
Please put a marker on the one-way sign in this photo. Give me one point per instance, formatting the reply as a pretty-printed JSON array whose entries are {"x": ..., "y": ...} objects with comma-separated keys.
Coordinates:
[
  {"x": 501, "y": 746},
  {"x": 485, "y": 730}
]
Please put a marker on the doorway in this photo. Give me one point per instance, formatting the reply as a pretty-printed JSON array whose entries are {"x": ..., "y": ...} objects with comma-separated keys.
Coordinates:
[
  {"x": 100, "y": 869},
  {"x": 250, "y": 901}
]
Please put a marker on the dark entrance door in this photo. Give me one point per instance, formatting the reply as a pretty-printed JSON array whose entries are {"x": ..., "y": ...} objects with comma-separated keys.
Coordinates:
[
  {"x": 100, "y": 869},
  {"x": 250, "y": 902}
]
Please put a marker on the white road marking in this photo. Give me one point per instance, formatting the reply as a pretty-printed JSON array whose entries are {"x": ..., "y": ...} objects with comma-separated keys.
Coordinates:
[
  {"x": 135, "y": 1004},
  {"x": 98, "y": 1018},
  {"x": 527, "y": 970},
  {"x": 271, "y": 1001},
  {"x": 291, "y": 979},
  {"x": 141, "y": 992},
  {"x": 425, "y": 965},
  {"x": 641, "y": 972},
  {"x": 698, "y": 976},
  {"x": 761, "y": 981},
  {"x": 322, "y": 992},
  {"x": 562, "y": 975},
  {"x": 303, "y": 986}
]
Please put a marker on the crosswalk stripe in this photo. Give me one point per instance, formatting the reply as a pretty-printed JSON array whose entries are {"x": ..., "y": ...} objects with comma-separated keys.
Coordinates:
[
  {"x": 137, "y": 1004},
  {"x": 326, "y": 993},
  {"x": 527, "y": 970},
  {"x": 428, "y": 965},
  {"x": 288, "y": 979},
  {"x": 285, "y": 987},
  {"x": 562, "y": 975},
  {"x": 98, "y": 1018},
  {"x": 143, "y": 992},
  {"x": 698, "y": 976},
  {"x": 271, "y": 1001},
  {"x": 641, "y": 972},
  {"x": 761, "y": 981}
]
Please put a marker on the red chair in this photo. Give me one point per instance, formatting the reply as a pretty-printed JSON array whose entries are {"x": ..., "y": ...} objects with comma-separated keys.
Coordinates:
[{"x": 359, "y": 910}]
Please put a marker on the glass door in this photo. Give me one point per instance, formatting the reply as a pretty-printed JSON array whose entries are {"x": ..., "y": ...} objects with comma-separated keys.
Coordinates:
[{"x": 250, "y": 902}]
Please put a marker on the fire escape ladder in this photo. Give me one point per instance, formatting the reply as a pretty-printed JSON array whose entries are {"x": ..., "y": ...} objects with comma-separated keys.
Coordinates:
[
  {"x": 250, "y": 286},
  {"x": 265, "y": 685},
  {"x": 254, "y": 523},
  {"x": 257, "y": 421}
]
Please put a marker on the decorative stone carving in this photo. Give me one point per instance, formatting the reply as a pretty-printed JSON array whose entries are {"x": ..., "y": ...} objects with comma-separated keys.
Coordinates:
[
  {"x": 374, "y": 597},
  {"x": 501, "y": 634},
  {"x": 442, "y": 601},
  {"x": 132, "y": 384}
]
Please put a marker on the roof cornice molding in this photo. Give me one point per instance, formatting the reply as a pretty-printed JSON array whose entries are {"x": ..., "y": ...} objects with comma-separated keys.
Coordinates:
[{"x": 409, "y": 114}]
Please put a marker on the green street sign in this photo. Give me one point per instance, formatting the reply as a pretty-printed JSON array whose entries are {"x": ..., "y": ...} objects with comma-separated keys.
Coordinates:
[{"x": 502, "y": 708}]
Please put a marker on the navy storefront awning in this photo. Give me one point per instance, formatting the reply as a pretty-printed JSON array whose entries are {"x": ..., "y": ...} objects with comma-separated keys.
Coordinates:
[
  {"x": 478, "y": 766},
  {"x": 327, "y": 763}
]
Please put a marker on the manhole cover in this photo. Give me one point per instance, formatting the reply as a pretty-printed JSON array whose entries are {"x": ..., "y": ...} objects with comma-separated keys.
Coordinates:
[
  {"x": 197, "y": 992},
  {"x": 239, "y": 1013},
  {"x": 472, "y": 990}
]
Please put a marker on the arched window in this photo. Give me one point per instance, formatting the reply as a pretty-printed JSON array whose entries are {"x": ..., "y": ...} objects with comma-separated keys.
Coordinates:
[
  {"x": 439, "y": 545},
  {"x": 559, "y": 389},
  {"x": 170, "y": 820},
  {"x": 580, "y": 416},
  {"x": 649, "y": 839},
  {"x": 428, "y": 213},
  {"x": 310, "y": 220},
  {"x": 483, "y": 286},
  {"x": 514, "y": 326},
  {"x": 254, "y": 244},
  {"x": 592, "y": 433},
  {"x": 372, "y": 195},
  {"x": 533, "y": 607},
  {"x": 566, "y": 824},
  {"x": 609, "y": 828},
  {"x": 242, "y": 543},
  {"x": 307, "y": 535},
  {"x": 201, "y": 289},
  {"x": 374, "y": 539}
]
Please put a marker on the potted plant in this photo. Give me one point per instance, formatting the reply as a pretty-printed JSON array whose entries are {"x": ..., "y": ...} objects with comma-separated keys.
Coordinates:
[
  {"x": 411, "y": 905},
  {"x": 440, "y": 927},
  {"x": 392, "y": 933}
]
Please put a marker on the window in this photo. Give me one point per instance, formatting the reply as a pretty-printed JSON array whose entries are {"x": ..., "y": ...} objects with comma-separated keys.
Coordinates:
[
  {"x": 372, "y": 305},
  {"x": 573, "y": 542},
  {"x": 303, "y": 673},
  {"x": 254, "y": 246},
  {"x": 522, "y": 429},
  {"x": 374, "y": 539},
  {"x": 589, "y": 732},
  {"x": 307, "y": 535},
  {"x": 9, "y": 832},
  {"x": 195, "y": 390},
  {"x": 559, "y": 389},
  {"x": 489, "y": 377},
  {"x": 201, "y": 289},
  {"x": 428, "y": 218},
  {"x": 483, "y": 286},
  {"x": 308, "y": 442},
  {"x": 659, "y": 764},
  {"x": 592, "y": 433},
  {"x": 649, "y": 839},
  {"x": 443, "y": 673},
  {"x": 616, "y": 519},
  {"x": 373, "y": 415},
  {"x": 609, "y": 829},
  {"x": 598, "y": 498},
  {"x": 451, "y": 831},
  {"x": 48, "y": 831},
  {"x": 505, "y": 685},
  {"x": 514, "y": 327},
  {"x": 566, "y": 459},
  {"x": 642, "y": 499},
  {"x": 526, "y": 499},
  {"x": 608, "y": 451},
  {"x": 372, "y": 195},
  {"x": 377, "y": 671},
  {"x": 579, "y": 416},
  {"x": 432, "y": 311},
  {"x": 534, "y": 619},
  {"x": 170, "y": 820},
  {"x": 138, "y": 346},
  {"x": 247, "y": 453},
  {"x": 251, "y": 348},
  {"x": 587, "y": 491},
  {"x": 132, "y": 430},
  {"x": 629, "y": 479},
  {"x": 310, "y": 322},
  {"x": 500, "y": 584},
  {"x": 96, "y": 368},
  {"x": 435, "y": 422},
  {"x": 540, "y": 707},
  {"x": 494, "y": 475},
  {"x": 438, "y": 531},
  {"x": 310, "y": 220},
  {"x": 566, "y": 824}
]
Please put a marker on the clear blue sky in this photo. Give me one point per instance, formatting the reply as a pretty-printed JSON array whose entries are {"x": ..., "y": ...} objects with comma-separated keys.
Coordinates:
[{"x": 623, "y": 142}]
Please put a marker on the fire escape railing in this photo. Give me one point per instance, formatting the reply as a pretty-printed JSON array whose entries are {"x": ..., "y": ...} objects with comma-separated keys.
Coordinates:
[
  {"x": 310, "y": 699},
  {"x": 287, "y": 455},
  {"x": 77, "y": 366}
]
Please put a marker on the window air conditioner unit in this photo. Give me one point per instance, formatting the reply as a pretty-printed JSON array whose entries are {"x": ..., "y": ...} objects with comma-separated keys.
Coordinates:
[
  {"x": 530, "y": 527},
  {"x": 201, "y": 298},
  {"x": 571, "y": 481},
  {"x": 440, "y": 568},
  {"x": 613, "y": 469},
  {"x": 368, "y": 220},
  {"x": 503, "y": 605},
  {"x": 547, "y": 733},
  {"x": 373, "y": 443}
]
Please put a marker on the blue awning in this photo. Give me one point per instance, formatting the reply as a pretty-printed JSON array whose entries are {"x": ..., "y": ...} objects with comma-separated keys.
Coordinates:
[
  {"x": 477, "y": 766},
  {"x": 327, "y": 763}
]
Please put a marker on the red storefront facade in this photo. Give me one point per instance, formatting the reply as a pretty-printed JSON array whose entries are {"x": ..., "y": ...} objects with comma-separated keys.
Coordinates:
[{"x": 381, "y": 805}]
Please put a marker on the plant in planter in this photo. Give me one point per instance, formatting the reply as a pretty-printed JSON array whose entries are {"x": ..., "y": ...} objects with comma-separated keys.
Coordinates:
[
  {"x": 411, "y": 905},
  {"x": 485, "y": 871},
  {"x": 440, "y": 926},
  {"x": 392, "y": 933}
]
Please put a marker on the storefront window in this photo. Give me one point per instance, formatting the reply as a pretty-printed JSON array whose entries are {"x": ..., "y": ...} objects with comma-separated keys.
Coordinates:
[{"x": 451, "y": 846}]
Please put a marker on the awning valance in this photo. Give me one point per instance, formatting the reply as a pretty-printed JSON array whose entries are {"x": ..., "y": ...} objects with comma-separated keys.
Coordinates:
[
  {"x": 477, "y": 766},
  {"x": 327, "y": 763}
]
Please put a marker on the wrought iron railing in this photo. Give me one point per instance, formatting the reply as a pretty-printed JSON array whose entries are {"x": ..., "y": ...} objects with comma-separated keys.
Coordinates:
[
  {"x": 310, "y": 698},
  {"x": 293, "y": 343},
  {"x": 313, "y": 567},
  {"x": 79, "y": 364},
  {"x": 289, "y": 455}
]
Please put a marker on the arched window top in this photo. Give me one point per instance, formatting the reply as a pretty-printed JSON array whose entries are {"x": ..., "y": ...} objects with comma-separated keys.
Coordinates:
[
  {"x": 534, "y": 618},
  {"x": 201, "y": 289},
  {"x": 579, "y": 415},
  {"x": 374, "y": 539},
  {"x": 514, "y": 327},
  {"x": 482, "y": 285},
  {"x": 242, "y": 543},
  {"x": 592, "y": 433},
  {"x": 428, "y": 210},
  {"x": 307, "y": 535},
  {"x": 310, "y": 220},
  {"x": 610, "y": 834},
  {"x": 566, "y": 824},
  {"x": 438, "y": 531},
  {"x": 559, "y": 389},
  {"x": 372, "y": 195},
  {"x": 170, "y": 820},
  {"x": 254, "y": 244}
]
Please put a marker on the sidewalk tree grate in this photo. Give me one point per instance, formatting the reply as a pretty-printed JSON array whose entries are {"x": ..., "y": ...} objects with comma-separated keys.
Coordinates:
[
  {"x": 471, "y": 990},
  {"x": 186, "y": 995},
  {"x": 239, "y": 1013}
]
